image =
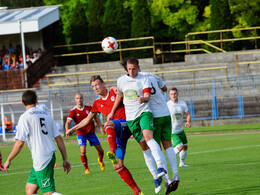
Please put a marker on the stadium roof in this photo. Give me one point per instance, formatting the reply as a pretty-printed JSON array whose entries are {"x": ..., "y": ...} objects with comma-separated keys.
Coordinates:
[{"x": 32, "y": 19}]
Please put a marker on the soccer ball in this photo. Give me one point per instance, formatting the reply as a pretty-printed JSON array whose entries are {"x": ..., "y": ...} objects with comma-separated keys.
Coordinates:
[{"x": 109, "y": 44}]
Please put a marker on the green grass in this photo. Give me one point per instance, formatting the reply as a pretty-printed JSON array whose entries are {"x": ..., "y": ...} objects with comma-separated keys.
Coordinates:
[{"x": 219, "y": 164}]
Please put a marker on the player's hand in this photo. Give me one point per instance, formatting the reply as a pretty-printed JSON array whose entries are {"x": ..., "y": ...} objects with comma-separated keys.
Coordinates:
[
  {"x": 188, "y": 125},
  {"x": 69, "y": 133},
  {"x": 6, "y": 165},
  {"x": 66, "y": 166},
  {"x": 110, "y": 116},
  {"x": 140, "y": 99},
  {"x": 102, "y": 130}
]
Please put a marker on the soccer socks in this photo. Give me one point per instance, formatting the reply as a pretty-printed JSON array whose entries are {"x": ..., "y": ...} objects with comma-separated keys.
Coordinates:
[
  {"x": 128, "y": 179},
  {"x": 156, "y": 152},
  {"x": 84, "y": 160},
  {"x": 111, "y": 138},
  {"x": 183, "y": 155},
  {"x": 149, "y": 160},
  {"x": 101, "y": 155},
  {"x": 172, "y": 161},
  {"x": 176, "y": 151}
]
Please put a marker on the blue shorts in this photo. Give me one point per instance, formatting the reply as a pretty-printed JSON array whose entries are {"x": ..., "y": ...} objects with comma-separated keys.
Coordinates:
[
  {"x": 122, "y": 135},
  {"x": 92, "y": 138}
]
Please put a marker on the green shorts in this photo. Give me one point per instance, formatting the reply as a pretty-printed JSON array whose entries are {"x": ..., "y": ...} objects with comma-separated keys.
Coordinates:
[
  {"x": 144, "y": 121},
  {"x": 163, "y": 128},
  {"x": 44, "y": 178},
  {"x": 179, "y": 138}
]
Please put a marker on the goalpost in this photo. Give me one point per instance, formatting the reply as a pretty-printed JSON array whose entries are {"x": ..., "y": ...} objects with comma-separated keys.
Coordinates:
[{"x": 14, "y": 110}]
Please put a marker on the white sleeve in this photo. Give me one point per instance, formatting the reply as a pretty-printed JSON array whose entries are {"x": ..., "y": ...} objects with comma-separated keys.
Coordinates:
[
  {"x": 22, "y": 129},
  {"x": 159, "y": 80},
  {"x": 186, "y": 108},
  {"x": 146, "y": 83},
  {"x": 56, "y": 133}
]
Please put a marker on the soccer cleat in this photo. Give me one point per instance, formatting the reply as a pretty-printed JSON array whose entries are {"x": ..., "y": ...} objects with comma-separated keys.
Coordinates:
[
  {"x": 158, "y": 187},
  {"x": 112, "y": 157},
  {"x": 87, "y": 171},
  {"x": 140, "y": 193},
  {"x": 183, "y": 165},
  {"x": 172, "y": 186},
  {"x": 102, "y": 165},
  {"x": 56, "y": 165},
  {"x": 2, "y": 168},
  {"x": 166, "y": 184},
  {"x": 161, "y": 172}
]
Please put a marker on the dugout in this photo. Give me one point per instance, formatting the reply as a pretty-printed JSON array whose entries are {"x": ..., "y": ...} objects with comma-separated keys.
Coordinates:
[{"x": 14, "y": 110}]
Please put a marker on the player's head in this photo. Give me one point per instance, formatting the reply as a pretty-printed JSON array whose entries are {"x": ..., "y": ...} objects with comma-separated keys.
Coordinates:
[
  {"x": 29, "y": 98},
  {"x": 173, "y": 94},
  {"x": 98, "y": 84},
  {"x": 79, "y": 99},
  {"x": 132, "y": 67}
]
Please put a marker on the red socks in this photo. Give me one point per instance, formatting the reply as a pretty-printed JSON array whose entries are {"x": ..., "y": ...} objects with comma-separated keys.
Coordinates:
[
  {"x": 84, "y": 160},
  {"x": 101, "y": 154},
  {"x": 111, "y": 138},
  {"x": 0, "y": 159},
  {"x": 128, "y": 179}
]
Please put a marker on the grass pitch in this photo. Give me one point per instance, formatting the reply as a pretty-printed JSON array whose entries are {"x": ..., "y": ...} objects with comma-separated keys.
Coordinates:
[{"x": 219, "y": 164}]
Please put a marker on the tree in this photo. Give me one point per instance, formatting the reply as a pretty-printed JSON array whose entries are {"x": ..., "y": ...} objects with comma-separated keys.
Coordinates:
[{"x": 11, "y": 4}]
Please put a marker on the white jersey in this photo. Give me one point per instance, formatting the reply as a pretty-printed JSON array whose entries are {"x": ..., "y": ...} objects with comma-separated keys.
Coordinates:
[
  {"x": 177, "y": 111},
  {"x": 131, "y": 88},
  {"x": 38, "y": 127},
  {"x": 157, "y": 103}
]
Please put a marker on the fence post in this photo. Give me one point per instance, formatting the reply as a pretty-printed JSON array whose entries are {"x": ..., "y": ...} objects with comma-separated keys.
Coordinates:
[
  {"x": 192, "y": 113},
  {"x": 214, "y": 103},
  {"x": 240, "y": 106}
]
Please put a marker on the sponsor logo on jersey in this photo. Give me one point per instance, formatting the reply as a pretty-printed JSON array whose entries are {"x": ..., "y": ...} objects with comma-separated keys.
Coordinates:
[
  {"x": 130, "y": 94},
  {"x": 112, "y": 98}
]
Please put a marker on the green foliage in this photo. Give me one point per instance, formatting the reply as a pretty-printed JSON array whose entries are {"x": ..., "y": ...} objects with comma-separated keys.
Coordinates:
[{"x": 11, "y": 4}]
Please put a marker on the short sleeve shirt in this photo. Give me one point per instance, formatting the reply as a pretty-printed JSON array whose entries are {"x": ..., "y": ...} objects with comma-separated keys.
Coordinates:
[
  {"x": 38, "y": 128},
  {"x": 177, "y": 111},
  {"x": 78, "y": 115},
  {"x": 132, "y": 88}
]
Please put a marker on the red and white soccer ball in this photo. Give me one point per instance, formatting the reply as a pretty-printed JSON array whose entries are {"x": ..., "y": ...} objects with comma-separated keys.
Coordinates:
[{"x": 109, "y": 44}]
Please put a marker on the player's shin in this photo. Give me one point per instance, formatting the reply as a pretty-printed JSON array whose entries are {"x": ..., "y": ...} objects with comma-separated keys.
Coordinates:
[
  {"x": 84, "y": 160},
  {"x": 172, "y": 161},
  {"x": 111, "y": 138},
  {"x": 149, "y": 160},
  {"x": 156, "y": 152}
]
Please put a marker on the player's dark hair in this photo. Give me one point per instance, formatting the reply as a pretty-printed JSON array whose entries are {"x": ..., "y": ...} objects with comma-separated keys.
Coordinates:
[
  {"x": 96, "y": 77},
  {"x": 174, "y": 89},
  {"x": 133, "y": 60},
  {"x": 29, "y": 97},
  {"x": 124, "y": 63}
]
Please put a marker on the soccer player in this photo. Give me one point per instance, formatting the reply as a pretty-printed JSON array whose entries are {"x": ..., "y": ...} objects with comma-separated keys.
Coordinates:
[
  {"x": 39, "y": 128},
  {"x": 117, "y": 131},
  {"x": 78, "y": 113},
  {"x": 136, "y": 90},
  {"x": 179, "y": 139},
  {"x": 162, "y": 125},
  {"x": 1, "y": 166}
]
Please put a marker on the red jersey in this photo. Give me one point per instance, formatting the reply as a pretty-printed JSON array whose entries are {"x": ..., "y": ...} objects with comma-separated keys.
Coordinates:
[
  {"x": 78, "y": 115},
  {"x": 105, "y": 105}
]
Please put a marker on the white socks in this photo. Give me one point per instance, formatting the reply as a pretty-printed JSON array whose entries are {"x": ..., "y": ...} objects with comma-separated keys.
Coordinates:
[
  {"x": 176, "y": 150},
  {"x": 149, "y": 160},
  {"x": 56, "y": 193},
  {"x": 172, "y": 160},
  {"x": 183, "y": 155},
  {"x": 156, "y": 152}
]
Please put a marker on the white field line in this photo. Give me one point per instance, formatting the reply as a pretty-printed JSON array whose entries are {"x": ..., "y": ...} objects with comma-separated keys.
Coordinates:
[{"x": 201, "y": 152}]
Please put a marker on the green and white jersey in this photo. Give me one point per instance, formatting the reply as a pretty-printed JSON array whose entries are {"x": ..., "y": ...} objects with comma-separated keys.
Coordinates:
[
  {"x": 177, "y": 111},
  {"x": 157, "y": 103},
  {"x": 38, "y": 128},
  {"x": 131, "y": 88}
]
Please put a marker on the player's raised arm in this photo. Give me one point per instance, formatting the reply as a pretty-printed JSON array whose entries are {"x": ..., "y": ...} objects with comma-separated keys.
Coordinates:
[
  {"x": 82, "y": 124},
  {"x": 61, "y": 146}
]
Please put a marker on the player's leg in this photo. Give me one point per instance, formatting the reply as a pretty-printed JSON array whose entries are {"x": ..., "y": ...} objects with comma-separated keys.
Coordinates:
[
  {"x": 150, "y": 163},
  {"x": 94, "y": 141},
  {"x": 31, "y": 189},
  {"x": 111, "y": 135},
  {"x": 124, "y": 173},
  {"x": 183, "y": 152},
  {"x": 146, "y": 124},
  {"x": 1, "y": 166},
  {"x": 82, "y": 142},
  {"x": 176, "y": 143}
]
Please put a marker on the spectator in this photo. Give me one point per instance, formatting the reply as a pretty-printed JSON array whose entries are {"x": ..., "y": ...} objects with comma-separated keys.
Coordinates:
[
  {"x": 39, "y": 53},
  {"x": 28, "y": 60},
  {"x": 8, "y": 124},
  {"x": 11, "y": 49},
  {"x": 34, "y": 58}
]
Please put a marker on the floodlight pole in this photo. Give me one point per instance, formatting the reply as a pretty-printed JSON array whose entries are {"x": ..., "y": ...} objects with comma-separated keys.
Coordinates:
[
  {"x": 3, "y": 123},
  {"x": 23, "y": 51}
]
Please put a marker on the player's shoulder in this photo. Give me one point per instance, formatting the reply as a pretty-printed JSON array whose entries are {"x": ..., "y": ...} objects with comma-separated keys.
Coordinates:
[
  {"x": 182, "y": 102},
  {"x": 73, "y": 109}
]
